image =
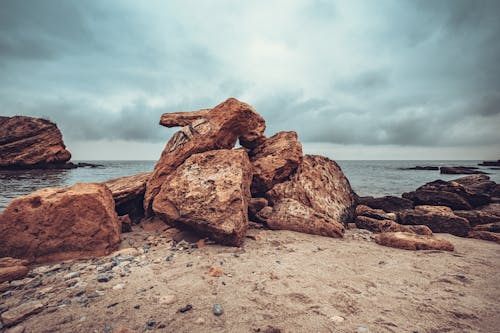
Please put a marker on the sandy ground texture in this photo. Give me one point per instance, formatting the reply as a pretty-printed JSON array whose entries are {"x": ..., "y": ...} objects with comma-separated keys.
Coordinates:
[{"x": 280, "y": 281}]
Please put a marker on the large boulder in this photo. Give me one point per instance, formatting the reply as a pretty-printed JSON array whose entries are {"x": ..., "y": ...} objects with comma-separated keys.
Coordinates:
[
  {"x": 128, "y": 193},
  {"x": 409, "y": 241},
  {"x": 320, "y": 184},
  {"x": 209, "y": 193},
  {"x": 387, "y": 203},
  {"x": 274, "y": 161},
  {"x": 28, "y": 143},
  {"x": 60, "y": 223},
  {"x": 204, "y": 130},
  {"x": 437, "y": 218}
]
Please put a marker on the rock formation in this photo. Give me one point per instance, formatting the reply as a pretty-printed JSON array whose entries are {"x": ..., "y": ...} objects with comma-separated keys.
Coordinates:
[
  {"x": 209, "y": 193},
  {"x": 485, "y": 235},
  {"x": 60, "y": 223},
  {"x": 387, "y": 203},
  {"x": 27, "y": 143},
  {"x": 376, "y": 220},
  {"x": 12, "y": 269},
  {"x": 409, "y": 241}
]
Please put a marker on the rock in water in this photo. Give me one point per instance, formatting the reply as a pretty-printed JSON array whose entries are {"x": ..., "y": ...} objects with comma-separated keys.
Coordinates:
[
  {"x": 460, "y": 170},
  {"x": 30, "y": 143},
  {"x": 409, "y": 241},
  {"x": 274, "y": 161},
  {"x": 209, "y": 193},
  {"x": 60, "y": 223},
  {"x": 204, "y": 130},
  {"x": 319, "y": 184},
  {"x": 437, "y": 218}
]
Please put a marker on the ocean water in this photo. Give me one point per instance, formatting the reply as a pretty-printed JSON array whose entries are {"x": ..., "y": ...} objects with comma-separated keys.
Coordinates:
[{"x": 376, "y": 178}]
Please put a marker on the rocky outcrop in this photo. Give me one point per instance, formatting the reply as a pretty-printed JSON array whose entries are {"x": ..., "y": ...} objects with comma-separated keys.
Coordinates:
[
  {"x": 460, "y": 170},
  {"x": 409, "y": 241},
  {"x": 274, "y": 161},
  {"x": 387, "y": 203},
  {"x": 29, "y": 143},
  {"x": 128, "y": 193},
  {"x": 209, "y": 193},
  {"x": 477, "y": 217},
  {"x": 379, "y": 214},
  {"x": 12, "y": 269},
  {"x": 491, "y": 227},
  {"x": 437, "y": 218},
  {"x": 204, "y": 130},
  {"x": 485, "y": 235},
  {"x": 60, "y": 223},
  {"x": 320, "y": 184}
]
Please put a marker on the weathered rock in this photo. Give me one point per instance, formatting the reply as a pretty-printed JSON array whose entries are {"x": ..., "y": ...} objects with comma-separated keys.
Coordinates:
[
  {"x": 476, "y": 217},
  {"x": 477, "y": 185},
  {"x": 274, "y": 161},
  {"x": 490, "y": 163},
  {"x": 290, "y": 214},
  {"x": 320, "y": 184},
  {"x": 387, "y": 203},
  {"x": 202, "y": 131},
  {"x": 409, "y": 241},
  {"x": 379, "y": 214},
  {"x": 460, "y": 170},
  {"x": 419, "y": 229},
  {"x": 209, "y": 193},
  {"x": 437, "y": 218},
  {"x": 438, "y": 198},
  {"x": 491, "y": 227},
  {"x": 126, "y": 223},
  {"x": 485, "y": 235},
  {"x": 128, "y": 193},
  {"x": 12, "y": 269},
  {"x": 379, "y": 225},
  {"x": 60, "y": 223},
  {"x": 492, "y": 209},
  {"x": 21, "y": 312},
  {"x": 255, "y": 205},
  {"x": 28, "y": 143}
]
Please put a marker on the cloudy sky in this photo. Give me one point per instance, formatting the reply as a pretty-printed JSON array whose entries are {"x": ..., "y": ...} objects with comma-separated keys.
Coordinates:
[{"x": 356, "y": 79}]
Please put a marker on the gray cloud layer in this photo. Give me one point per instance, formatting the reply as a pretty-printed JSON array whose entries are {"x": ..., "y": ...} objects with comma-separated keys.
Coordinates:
[{"x": 350, "y": 72}]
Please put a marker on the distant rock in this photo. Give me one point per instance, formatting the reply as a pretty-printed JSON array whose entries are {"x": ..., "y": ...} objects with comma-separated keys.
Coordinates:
[
  {"x": 409, "y": 241},
  {"x": 490, "y": 163},
  {"x": 60, "y": 223},
  {"x": 204, "y": 130},
  {"x": 434, "y": 168},
  {"x": 209, "y": 193},
  {"x": 460, "y": 170},
  {"x": 387, "y": 203},
  {"x": 31, "y": 143},
  {"x": 274, "y": 161}
]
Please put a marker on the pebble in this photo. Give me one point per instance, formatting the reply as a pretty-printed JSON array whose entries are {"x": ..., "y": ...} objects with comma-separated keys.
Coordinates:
[
  {"x": 199, "y": 321},
  {"x": 337, "y": 319},
  {"x": 151, "y": 323},
  {"x": 185, "y": 308},
  {"x": 118, "y": 286},
  {"x": 218, "y": 309},
  {"x": 168, "y": 299},
  {"x": 104, "y": 277},
  {"x": 362, "y": 329},
  {"x": 169, "y": 257}
]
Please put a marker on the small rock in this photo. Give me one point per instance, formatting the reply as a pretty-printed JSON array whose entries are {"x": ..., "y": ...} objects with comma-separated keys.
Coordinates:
[
  {"x": 137, "y": 307},
  {"x": 168, "y": 299},
  {"x": 362, "y": 329},
  {"x": 72, "y": 275},
  {"x": 218, "y": 309},
  {"x": 215, "y": 272},
  {"x": 104, "y": 277},
  {"x": 118, "y": 286},
  {"x": 185, "y": 308},
  {"x": 150, "y": 324},
  {"x": 337, "y": 319},
  {"x": 169, "y": 257},
  {"x": 199, "y": 321}
]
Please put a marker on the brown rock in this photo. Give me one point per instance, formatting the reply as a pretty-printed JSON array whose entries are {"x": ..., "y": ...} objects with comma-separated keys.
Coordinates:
[
  {"x": 476, "y": 217},
  {"x": 437, "y": 218},
  {"x": 492, "y": 209},
  {"x": 290, "y": 214},
  {"x": 320, "y": 184},
  {"x": 126, "y": 223},
  {"x": 387, "y": 203},
  {"x": 409, "y": 241},
  {"x": 379, "y": 225},
  {"x": 12, "y": 269},
  {"x": 419, "y": 229},
  {"x": 209, "y": 193},
  {"x": 28, "y": 143},
  {"x": 274, "y": 161},
  {"x": 128, "y": 193},
  {"x": 438, "y": 198},
  {"x": 485, "y": 235},
  {"x": 60, "y": 223},
  {"x": 379, "y": 214},
  {"x": 477, "y": 185},
  {"x": 202, "y": 131},
  {"x": 491, "y": 227},
  {"x": 21, "y": 312},
  {"x": 255, "y": 205}
]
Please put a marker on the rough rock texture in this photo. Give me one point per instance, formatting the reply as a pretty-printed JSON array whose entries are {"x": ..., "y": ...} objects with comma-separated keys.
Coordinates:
[
  {"x": 437, "y": 218},
  {"x": 379, "y": 214},
  {"x": 204, "y": 130},
  {"x": 290, "y": 214},
  {"x": 461, "y": 170},
  {"x": 128, "y": 193},
  {"x": 409, "y": 241},
  {"x": 27, "y": 143},
  {"x": 255, "y": 205},
  {"x": 209, "y": 193},
  {"x": 485, "y": 235},
  {"x": 378, "y": 225},
  {"x": 19, "y": 313},
  {"x": 60, "y": 223},
  {"x": 274, "y": 161},
  {"x": 387, "y": 203},
  {"x": 479, "y": 186},
  {"x": 126, "y": 223},
  {"x": 12, "y": 269},
  {"x": 320, "y": 184},
  {"x": 492, "y": 209},
  {"x": 491, "y": 227},
  {"x": 476, "y": 217}
]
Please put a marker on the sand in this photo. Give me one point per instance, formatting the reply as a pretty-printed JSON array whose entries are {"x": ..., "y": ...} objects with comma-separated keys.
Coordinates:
[{"x": 280, "y": 281}]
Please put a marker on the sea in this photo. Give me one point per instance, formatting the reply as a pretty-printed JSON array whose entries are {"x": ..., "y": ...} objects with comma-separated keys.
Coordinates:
[{"x": 375, "y": 178}]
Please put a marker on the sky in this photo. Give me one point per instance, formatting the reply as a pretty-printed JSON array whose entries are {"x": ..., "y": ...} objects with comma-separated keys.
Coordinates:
[{"x": 355, "y": 79}]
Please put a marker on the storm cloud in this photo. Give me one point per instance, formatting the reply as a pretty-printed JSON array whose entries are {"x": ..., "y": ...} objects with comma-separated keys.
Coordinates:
[{"x": 361, "y": 73}]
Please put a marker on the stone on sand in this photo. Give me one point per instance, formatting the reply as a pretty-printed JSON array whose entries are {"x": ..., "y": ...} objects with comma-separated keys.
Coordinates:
[{"x": 409, "y": 241}]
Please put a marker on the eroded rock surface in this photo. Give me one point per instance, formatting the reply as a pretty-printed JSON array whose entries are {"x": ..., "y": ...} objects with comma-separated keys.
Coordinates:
[
  {"x": 209, "y": 193},
  {"x": 409, "y": 241},
  {"x": 60, "y": 223},
  {"x": 387, "y": 203},
  {"x": 12, "y": 269},
  {"x": 381, "y": 225},
  {"x": 485, "y": 235}
]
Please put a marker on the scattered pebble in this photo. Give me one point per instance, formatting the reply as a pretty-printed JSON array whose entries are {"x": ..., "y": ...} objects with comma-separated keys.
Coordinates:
[
  {"x": 118, "y": 286},
  {"x": 185, "y": 308},
  {"x": 168, "y": 299},
  {"x": 103, "y": 277},
  {"x": 218, "y": 309},
  {"x": 362, "y": 329},
  {"x": 169, "y": 257},
  {"x": 199, "y": 321},
  {"x": 72, "y": 275},
  {"x": 337, "y": 319}
]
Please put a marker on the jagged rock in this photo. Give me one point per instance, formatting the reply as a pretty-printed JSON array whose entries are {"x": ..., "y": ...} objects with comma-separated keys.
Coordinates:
[
  {"x": 409, "y": 241},
  {"x": 12, "y": 269},
  {"x": 128, "y": 193},
  {"x": 60, "y": 223},
  {"x": 21, "y": 312},
  {"x": 378, "y": 214},
  {"x": 485, "y": 235},
  {"x": 202, "y": 131},
  {"x": 477, "y": 185},
  {"x": 380, "y": 225},
  {"x": 437, "y": 218},
  {"x": 320, "y": 184},
  {"x": 476, "y": 217},
  {"x": 255, "y": 205},
  {"x": 209, "y": 193},
  {"x": 387, "y": 203},
  {"x": 30, "y": 143},
  {"x": 460, "y": 170},
  {"x": 274, "y": 161},
  {"x": 491, "y": 227},
  {"x": 290, "y": 214}
]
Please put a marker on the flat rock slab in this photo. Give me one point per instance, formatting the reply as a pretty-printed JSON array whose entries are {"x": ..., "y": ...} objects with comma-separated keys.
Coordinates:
[
  {"x": 409, "y": 241},
  {"x": 18, "y": 314},
  {"x": 485, "y": 235}
]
